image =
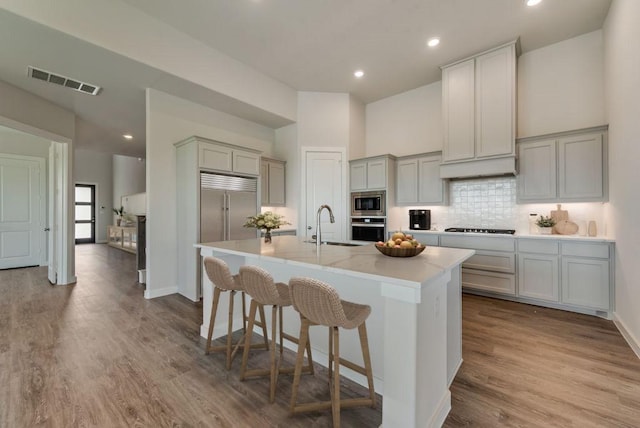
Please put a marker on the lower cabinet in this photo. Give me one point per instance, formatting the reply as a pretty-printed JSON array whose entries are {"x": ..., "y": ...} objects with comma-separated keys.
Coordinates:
[
  {"x": 538, "y": 276},
  {"x": 585, "y": 282}
]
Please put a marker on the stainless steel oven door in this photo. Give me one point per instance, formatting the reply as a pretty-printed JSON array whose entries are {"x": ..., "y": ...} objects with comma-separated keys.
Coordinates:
[
  {"x": 366, "y": 230},
  {"x": 368, "y": 203}
]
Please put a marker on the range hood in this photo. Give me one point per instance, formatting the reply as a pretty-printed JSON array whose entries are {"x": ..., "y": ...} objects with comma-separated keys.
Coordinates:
[{"x": 479, "y": 168}]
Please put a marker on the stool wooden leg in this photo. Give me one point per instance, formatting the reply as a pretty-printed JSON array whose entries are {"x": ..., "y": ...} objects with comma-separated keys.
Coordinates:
[
  {"x": 247, "y": 340},
  {"x": 303, "y": 339},
  {"x": 272, "y": 354},
  {"x": 230, "y": 329},
  {"x": 264, "y": 327},
  {"x": 335, "y": 396},
  {"x": 364, "y": 344},
  {"x": 214, "y": 310},
  {"x": 330, "y": 355},
  {"x": 244, "y": 314}
]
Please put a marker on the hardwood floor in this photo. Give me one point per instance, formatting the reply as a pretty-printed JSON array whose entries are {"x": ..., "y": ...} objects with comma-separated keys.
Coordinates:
[
  {"x": 99, "y": 354},
  {"x": 536, "y": 367}
]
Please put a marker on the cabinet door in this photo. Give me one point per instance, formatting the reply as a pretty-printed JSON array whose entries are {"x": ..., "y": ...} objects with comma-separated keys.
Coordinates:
[
  {"x": 585, "y": 282},
  {"x": 458, "y": 111},
  {"x": 276, "y": 184},
  {"x": 264, "y": 183},
  {"x": 495, "y": 103},
  {"x": 581, "y": 167},
  {"x": 246, "y": 162},
  {"x": 538, "y": 276},
  {"x": 215, "y": 157},
  {"x": 407, "y": 181},
  {"x": 377, "y": 174},
  {"x": 537, "y": 175},
  {"x": 430, "y": 185},
  {"x": 358, "y": 176}
]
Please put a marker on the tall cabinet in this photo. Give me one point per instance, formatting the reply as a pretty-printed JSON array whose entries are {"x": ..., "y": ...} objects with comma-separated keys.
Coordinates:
[
  {"x": 193, "y": 155},
  {"x": 479, "y": 114}
]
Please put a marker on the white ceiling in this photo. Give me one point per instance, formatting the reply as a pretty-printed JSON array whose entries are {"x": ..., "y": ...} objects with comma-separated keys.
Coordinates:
[{"x": 308, "y": 45}]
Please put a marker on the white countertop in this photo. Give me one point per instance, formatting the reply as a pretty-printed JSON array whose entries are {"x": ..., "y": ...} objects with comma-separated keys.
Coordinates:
[
  {"x": 515, "y": 236},
  {"x": 361, "y": 261}
]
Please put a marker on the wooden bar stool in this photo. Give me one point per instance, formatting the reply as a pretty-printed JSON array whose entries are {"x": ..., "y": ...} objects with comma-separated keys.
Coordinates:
[
  {"x": 319, "y": 304},
  {"x": 259, "y": 284},
  {"x": 219, "y": 274}
]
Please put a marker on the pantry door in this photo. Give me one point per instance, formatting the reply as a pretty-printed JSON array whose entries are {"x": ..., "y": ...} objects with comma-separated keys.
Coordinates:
[
  {"x": 325, "y": 183},
  {"x": 22, "y": 211}
]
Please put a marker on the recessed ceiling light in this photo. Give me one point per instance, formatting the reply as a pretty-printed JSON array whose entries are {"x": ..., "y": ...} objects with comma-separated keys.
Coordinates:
[
  {"x": 533, "y": 2},
  {"x": 358, "y": 73},
  {"x": 128, "y": 137},
  {"x": 433, "y": 42}
]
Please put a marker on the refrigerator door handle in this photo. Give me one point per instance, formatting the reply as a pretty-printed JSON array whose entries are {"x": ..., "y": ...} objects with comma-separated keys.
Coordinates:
[{"x": 227, "y": 217}]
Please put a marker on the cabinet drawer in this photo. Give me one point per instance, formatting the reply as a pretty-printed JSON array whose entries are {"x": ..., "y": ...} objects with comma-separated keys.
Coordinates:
[
  {"x": 489, "y": 281},
  {"x": 585, "y": 249},
  {"x": 537, "y": 246},
  {"x": 492, "y": 261},
  {"x": 426, "y": 239},
  {"x": 478, "y": 243}
]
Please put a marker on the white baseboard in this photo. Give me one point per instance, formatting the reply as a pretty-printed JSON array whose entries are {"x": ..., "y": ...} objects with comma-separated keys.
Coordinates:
[
  {"x": 442, "y": 411},
  {"x": 101, "y": 241},
  {"x": 633, "y": 341},
  {"x": 152, "y": 294}
]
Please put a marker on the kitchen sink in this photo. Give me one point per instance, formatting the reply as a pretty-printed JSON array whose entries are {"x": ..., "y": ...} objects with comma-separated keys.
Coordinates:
[{"x": 337, "y": 243}]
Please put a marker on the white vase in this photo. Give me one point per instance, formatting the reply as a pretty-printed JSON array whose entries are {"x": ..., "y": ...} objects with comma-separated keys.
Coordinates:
[{"x": 545, "y": 230}]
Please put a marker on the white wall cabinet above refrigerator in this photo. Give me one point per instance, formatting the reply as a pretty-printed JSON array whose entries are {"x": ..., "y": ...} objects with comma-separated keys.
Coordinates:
[
  {"x": 479, "y": 114},
  {"x": 216, "y": 156}
]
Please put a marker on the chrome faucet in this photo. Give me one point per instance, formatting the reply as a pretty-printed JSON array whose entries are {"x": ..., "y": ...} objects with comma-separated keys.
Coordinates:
[{"x": 318, "y": 232}]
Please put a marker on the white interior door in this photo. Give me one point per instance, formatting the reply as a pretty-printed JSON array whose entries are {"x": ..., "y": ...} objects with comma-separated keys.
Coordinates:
[
  {"x": 324, "y": 184},
  {"x": 22, "y": 197},
  {"x": 51, "y": 217}
]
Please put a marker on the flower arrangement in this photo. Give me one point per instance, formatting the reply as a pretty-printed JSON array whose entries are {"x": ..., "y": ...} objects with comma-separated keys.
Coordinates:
[
  {"x": 545, "y": 221},
  {"x": 266, "y": 220}
]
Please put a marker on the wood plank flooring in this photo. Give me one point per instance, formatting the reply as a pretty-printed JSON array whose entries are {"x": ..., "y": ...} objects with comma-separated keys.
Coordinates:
[
  {"x": 97, "y": 354},
  {"x": 529, "y": 366}
]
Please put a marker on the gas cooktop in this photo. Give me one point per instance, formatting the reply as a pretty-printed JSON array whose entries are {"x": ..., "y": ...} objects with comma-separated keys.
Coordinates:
[{"x": 480, "y": 230}]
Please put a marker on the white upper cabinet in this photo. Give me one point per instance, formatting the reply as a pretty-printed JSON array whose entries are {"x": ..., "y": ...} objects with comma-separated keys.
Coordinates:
[
  {"x": 459, "y": 111},
  {"x": 216, "y": 156},
  {"x": 581, "y": 163},
  {"x": 495, "y": 103},
  {"x": 370, "y": 173},
  {"x": 537, "y": 175},
  {"x": 272, "y": 176},
  {"x": 479, "y": 110},
  {"x": 570, "y": 167},
  {"x": 418, "y": 181}
]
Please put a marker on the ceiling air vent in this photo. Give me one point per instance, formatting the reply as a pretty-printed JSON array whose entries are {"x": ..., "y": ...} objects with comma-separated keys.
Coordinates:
[{"x": 47, "y": 76}]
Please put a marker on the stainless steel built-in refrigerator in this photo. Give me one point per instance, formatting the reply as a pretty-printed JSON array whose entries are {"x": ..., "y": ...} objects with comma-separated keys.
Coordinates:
[{"x": 225, "y": 203}]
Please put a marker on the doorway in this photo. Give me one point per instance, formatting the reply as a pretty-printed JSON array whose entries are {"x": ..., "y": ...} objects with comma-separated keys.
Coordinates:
[
  {"x": 85, "y": 209},
  {"x": 325, "y": 183},
  {"x": 22, "y": 211}
]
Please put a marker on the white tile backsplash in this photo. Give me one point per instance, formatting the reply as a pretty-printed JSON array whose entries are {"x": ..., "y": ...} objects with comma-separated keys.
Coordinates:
[{"x": 491, "y": 203}]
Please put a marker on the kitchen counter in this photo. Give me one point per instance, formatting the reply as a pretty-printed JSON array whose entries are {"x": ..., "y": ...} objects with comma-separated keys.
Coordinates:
[
  {"x": 515, "y": 236},
  {"x": 414, "y": 328}
]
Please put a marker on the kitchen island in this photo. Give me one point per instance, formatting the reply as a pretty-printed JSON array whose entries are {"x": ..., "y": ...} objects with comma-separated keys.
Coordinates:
[{"x": 414, "y": 328}]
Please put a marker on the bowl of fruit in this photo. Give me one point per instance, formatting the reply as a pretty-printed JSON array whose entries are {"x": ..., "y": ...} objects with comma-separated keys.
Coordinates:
[{"x": 400, "y": 245}]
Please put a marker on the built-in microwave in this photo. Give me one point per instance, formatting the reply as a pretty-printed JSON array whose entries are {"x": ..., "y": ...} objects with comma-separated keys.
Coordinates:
[{"x": 368, "y": 203}]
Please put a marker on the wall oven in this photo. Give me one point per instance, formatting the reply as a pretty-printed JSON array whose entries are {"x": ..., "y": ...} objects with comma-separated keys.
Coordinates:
[
  {"x": 368, "y": 229},
  {"x": 368, "y": 203}
]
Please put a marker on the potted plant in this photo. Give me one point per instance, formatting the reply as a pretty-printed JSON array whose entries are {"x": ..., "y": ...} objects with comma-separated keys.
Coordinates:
[
  {"x": 267, "y": 221},
  {"x": 545, "y": 225},
  {"x": 119, "y": 213}
]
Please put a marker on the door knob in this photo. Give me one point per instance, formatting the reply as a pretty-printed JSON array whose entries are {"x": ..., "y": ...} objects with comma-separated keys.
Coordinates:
[{"x": 308, "y": 227}]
